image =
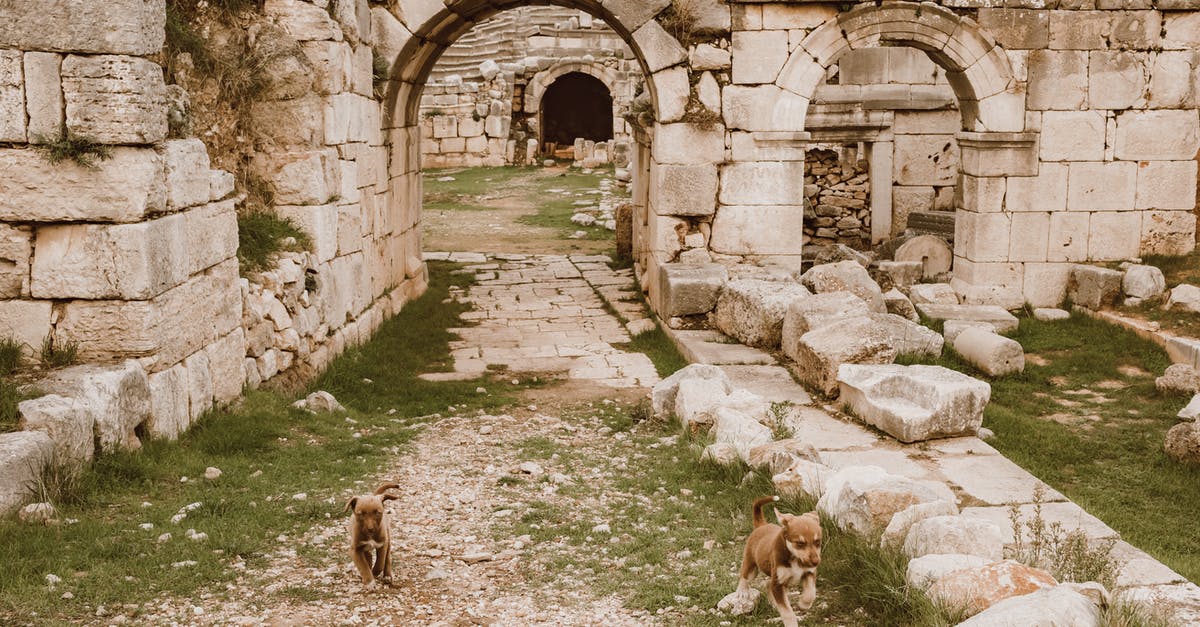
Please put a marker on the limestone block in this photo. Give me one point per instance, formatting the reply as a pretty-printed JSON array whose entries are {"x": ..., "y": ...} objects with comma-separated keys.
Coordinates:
[
  {"x": 43, "y": 95},
  {"x": 795, "y": 16},
  {"x": 708, "y": 91},
  {"x": 25, "y": 321},
  {"x": 741, "y": 431},
  {"x": 93, "y": 261},
  {"x": 934, "y": 293},
  {"x": 1107, "y": 186},
  {"x": 684, "y": 190},
  {"x": 211, "y": 234},
  {"x": 1017, "y": 29},
  {"x": 1168, "y": 232},
  {"x": 721, "y": 454},
  {"x": 296, "y": 123},
  {"x": 1060, "y": 605},
  {"x": 226, "y": 362},
  {"x": 689, "y": 290},
  {"x": 634, "y": 13},
  {"x": 1094, "y": 287},
  {"x": 166, "y": 328},
  {"x": 762, "y": 108},
  {"x": 1114, "y": 235},
  {"x": 996, "y": 316},
  {"x": 69, "y": 423},
  {"x": 12, "y": 97},
  {"x": 762, "y": 183},
  {"x": 802, "y": 478},
  {"x": 658, "y": 48},
  {"x": 899, "y": 304},
  {"x": 863, "y": 499},
  {"x": 1161, "y": 135},
  {"x": 1136, "y": 30},
  {"x": 23, "y": 455},
  {"x": 309, "y": 177},
  {"x": 976, "y": 589},
  {"x": 1073, "y": 136},
  {"x": 89, "y": 26},
  {"x": 1068, "y": 238},
  {"x": 304, "y": 21},
  {"x": 993, "y": 354},
  {"x": 664, "y": 394},
  {"x": 346, "y": 118},
  {"x": 688, "y": 144},
  {"x": 925, "y": 160},
  {"x": 902, "y": 521},
  {"x": 821, "y": 352},
  {"x": 709, "y": 57},
  {"x": 1181, "y": 31},
  {"x": 1116, "y": 79},
  {"x": 390, "y": 36},
  {"x": 982, "y": 237},
  {"x": 220, "y": 184},
  {"x": 1029, "y": 237},
  {"x": 908, "y": 337},
  {"x": 16, "y": 251},
  {"x": 496, "y": 126},
  {"x": 955, "y": 535},
  {"x": 808, "y": 314},
  {"x": 781, "y": 455},
  {"x": 1166, "y": 185},
  {"x": 757, "y": 230},
  {"x": 914, "y": 403},
  {"x": 1045, "y": 192},
  {"x": 115, "y": 99},
  {"x": 924, "y": 571},
  {"x": 1058, "y": 80},
  {"x": 1171, "y": 80},
  {"x": 753, "y": 310},
  {"x": 124, "y": 188},
  {"x": 1079, "y": 30},
  {"x": 695, "y": 401},
  {"x": 169, "y": 403},
  {"x": 200, "y": 390},
  {"x": 118, "y": 397},
  {"x": 1184, "y": 297},
  {"x": 845, "y": 276},
  {"x": 758, "y": 56},
  {"x": 1143, "y": 282},
  {"x": 188, "y": 179},
  {"x": 1046, "y": 283}
]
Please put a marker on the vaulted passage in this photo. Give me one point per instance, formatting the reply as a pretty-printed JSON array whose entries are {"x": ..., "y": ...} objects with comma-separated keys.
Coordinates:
[{"x": 576, "y": 106}]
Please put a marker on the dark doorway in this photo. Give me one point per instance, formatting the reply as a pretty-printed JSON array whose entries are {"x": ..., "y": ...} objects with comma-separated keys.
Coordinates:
[{"x": 576, "y": 105}]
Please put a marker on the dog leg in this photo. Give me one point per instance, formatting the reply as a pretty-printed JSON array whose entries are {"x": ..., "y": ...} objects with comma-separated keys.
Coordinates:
[
  {"x": 779, "y": 598},
  {"x": 747, "y": 574},
  {"x": 808, "y": 594},
  {"x": 383, "y": 564},
  {"x": 362, "y": 561}
]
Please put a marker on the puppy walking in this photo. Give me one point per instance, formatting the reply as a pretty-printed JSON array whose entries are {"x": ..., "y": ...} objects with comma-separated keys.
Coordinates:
[
  {"x": 371, "y": 531},
  {"x": 787, "y": 553}
]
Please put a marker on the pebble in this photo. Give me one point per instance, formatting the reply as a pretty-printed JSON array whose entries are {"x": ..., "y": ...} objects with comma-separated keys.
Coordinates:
[
  {"x": 164, "y": 538},
  {"x": 486, "y": 429},
  {"x": 602, "y": 528},
  {"x": 146, "y": 526},
  {"x": 67, "y": 595},
  {"x": 301, "y": 496},
  {"x": 212, "y": 472},
  {"x": 530, "y": 468},
  {"x": 184, "y": 564},
  {"x": 53, "y": 580},
  {"x": 480, "y": 390}
]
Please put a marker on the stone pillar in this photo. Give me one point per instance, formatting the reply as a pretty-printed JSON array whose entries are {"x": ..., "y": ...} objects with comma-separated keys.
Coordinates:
[{"x": 879, "y": 156}]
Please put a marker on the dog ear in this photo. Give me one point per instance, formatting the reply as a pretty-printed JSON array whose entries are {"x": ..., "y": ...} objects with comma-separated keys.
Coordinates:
[
  {"x": 351, "y": 504},
  {"x": 783, "y": 518}
]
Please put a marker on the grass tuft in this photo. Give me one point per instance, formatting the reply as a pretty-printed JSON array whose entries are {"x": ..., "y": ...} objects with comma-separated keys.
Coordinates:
[
  {"x": 84, "y": 151},
  {"x": 1065, "y": 554},
  {"x": 59, "y": 354},
  {"x": 262, "y": 235},
  {"x": 10, "y": 356},
  {"x": 9, "y": 397},
  {"x": 659, "y": 348}
]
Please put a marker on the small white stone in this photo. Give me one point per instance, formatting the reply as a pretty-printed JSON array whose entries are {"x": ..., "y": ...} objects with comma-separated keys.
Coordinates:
[
  {"x": 486, "y": 429},
  {"x": 53, "y": 580},
  {"x": 67, "y": 595},
  {"x": 146, "y": 526},
  {"x": 601, "y": 528},
  {"x": 212, "y": 472},
  {"x": 300, "y": 496},
  {"x": 530, "y": 468},
  {"x": 164, "y": 538}
]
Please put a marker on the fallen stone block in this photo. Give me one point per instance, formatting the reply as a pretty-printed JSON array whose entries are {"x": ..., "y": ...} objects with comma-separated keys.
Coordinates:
[
  {"x": 662, "y": 397},
  {"x": 976, "y": 589},
  {"x": 932, "y": 293},
  {"x": 863, "y": 499},
  {"x": 1178, "y": 379},
  {"x": 902, "y": 521},
  {"x": 720, "y": 453},
  {"x": 69, "y": 423},
  {"x": 778, "y": 456},
  {"x": 1185, "y": 297},
  {"x": 802, "y": 478},
  {"x": 1049, "y": 607},
  {"x": 914, "y": 403},
  {"x": 951, "y": 328},
  {"x": 996, "y": 316},
  {"x": 899, "y": 304},
  {"x": 23, "y": 456},
  {"x": 845, "y": 276},
  {"x": 695, "y": 399},
  {"x": 809, "y": 314},
  {"x": 1183, "y": 443},
  {"x": 1143, "y": 282},
  {"x": 739, "y": 603},
  {"x": 902, "y": 273},
  {"x": 820, "y": 353},
  {"x": 752, "y": 310},
  {"x": 685, "y": 290},
  {"x": 1049, "y": 314},
  {"x": 1192, "y": 410},
  {"x": 740, "y": 431},
  {"x": 1093, "y": 287},
  {"x": 995, "y": 355},
  {"x": 908, "y": 337},
  {"x": 955, "y": 534},
  {"x": 118, "y": 397},
  {"x": 926, "y": 570}
]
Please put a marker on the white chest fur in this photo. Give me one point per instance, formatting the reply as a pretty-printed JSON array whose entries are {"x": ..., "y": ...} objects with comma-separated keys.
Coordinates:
[{"x": 791, "y": 575}]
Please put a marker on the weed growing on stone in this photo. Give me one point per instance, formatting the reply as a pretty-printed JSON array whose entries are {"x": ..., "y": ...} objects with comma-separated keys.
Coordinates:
[
  {"x": 777, "y": 419},
  {"x": 9, "y": 397},
  {"x": 84, "y": 151},
  {"x": 10, "y": 356},
  {"x": 262, "y": 235},
  {"x": 1123, "y": 614},
  {"x": 1065, "y": 554},
  {"x": 659, "y": 348},
  {"x": 58, "y": 354}
]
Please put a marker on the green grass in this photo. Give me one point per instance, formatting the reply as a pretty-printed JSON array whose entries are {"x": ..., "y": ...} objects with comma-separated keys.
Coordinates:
[
  {"x": 59, "y": 354},
  {"x": 262, "y": 234},
  {"x": 1177, "y": 269},
  {"x": 659, "y": 348},
  {"x": 1113, "y": 466},
  {"x": 9, "y": 397},
  {"x": 84, "y": 151},
  {"x": 10, "y": 356},
  {"x": 106, "y": 558}
]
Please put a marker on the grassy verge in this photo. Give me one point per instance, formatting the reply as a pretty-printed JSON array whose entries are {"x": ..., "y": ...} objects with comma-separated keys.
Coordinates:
[
  {"x": 659, "y": 348},
  {"x": 677, "y": 530},
  {"x": 267, "y": 452},
  {"x": 1086, "y": 418},
  {"x": 262, "y": 234},
  {"x": 555, "y": 210}
]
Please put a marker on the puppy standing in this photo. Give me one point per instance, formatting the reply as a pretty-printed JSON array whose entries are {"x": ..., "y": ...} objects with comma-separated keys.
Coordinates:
[
  {"x": 787, "y": 553},
  {"x": 371, "y": 530}
]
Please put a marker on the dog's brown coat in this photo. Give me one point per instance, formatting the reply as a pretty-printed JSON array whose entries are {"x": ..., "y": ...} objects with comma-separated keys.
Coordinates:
[
  {"x": 787, "y": 553},
  {"x": 371, "y": 531}
]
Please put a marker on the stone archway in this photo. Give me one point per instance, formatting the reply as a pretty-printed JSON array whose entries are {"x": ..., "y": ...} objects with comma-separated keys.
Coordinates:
[{"x": 998, "y": 156}]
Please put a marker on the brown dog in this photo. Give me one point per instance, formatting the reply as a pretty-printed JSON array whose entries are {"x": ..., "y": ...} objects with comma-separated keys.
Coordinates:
[
  {"x": 371, "y": 530},
  {"x": 787, "y": 553}
]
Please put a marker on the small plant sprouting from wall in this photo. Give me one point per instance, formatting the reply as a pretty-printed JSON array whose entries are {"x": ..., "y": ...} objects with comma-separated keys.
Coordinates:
[
  {"x": 10, "y": 356},
  {"x": 84, "y": 151},
  {"x": 379, "y": 73},
  {"x": 680, "y": 20},
  {"x": 262, "y": 235},
  {"x": 59, "y": 354}
]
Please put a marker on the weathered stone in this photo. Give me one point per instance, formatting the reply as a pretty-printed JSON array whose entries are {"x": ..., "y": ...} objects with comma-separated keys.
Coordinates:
[
  {"x": 1192, "y": 410},
  {"x": 899, "y": 304},
  {"x": 709, "y": 57},
  {"x": 189, "y": 182},
  {"x": 802, "y": 478},
  {"x": 169, "y": 403},
  {"x": 757, "y": 230},
  {"x": 683, "y": 143},
  {"x": 770, "y": 183},
  {"x": 902, "y": 521},
  {"x": 1057, "y": 79},
  {"x": 955, "y": 535},
  {"x": 89, "y": 26},
  {"x": 903, "y": 274},
  {"x": 1094, "y": 287},
  {"x": 1183, "y": 443},
  {"x": 1047, "y": 607},
  {"x": 720, "y": 453},
  {"x": 664, "y": 394},
  {"x": 977, "y": 589},
  {"x": 123, "y": 188},
  {"x": 43, "y": 95},
  {"x": 320, "y": 222},
  {"x": 821, "y": 352},
  {"x": 695, "y": 401},
  {"x": 952, "y": 328},
  {"x": 845, "y": 276},
  {"x": 778, "y": 456},
  {"x": 303, "y": 20},
  {"x": 739, "y": 430},
  {"x": 23, "y": 456},
  {"x": 908, "y": 337},
  {"x": 1162, "y": 135},
  {"x": 758, "y": 56},
  {"x": 1000, "y": 319},
  {"x": 301, "y": 178},
  {"x": 69, "y": 423},
  {"x": 1166, "y": 185},
  {"x": 925, "y": 160},
  {"x": 808, "y": 314},
  {"x": 1179, "y": 602},
  {"x": 226, "y": 365},
  {"x": 115, "y": 99},
  {"x": 1143, "y": 281},
  {"x": 16, "y": 250},
  {"x": 863, "y": 499},
  {"x": 914, "y": 403},
  {"x": 924, "y": 571},
  {"x": 27, "y": 322},
  {"x": 684, "y": 190},
  {"x": 118, "y": 397},
  {"x": 688, "y": 290},
  {"x": 1046, "y": 314},
  {"x": 994, "y": 354},
  {"x": 37, "y": 513},
  {"x": 753, "y": 310},
  {"x": 932, "y": 293},
  {"x": 1185, "y": 297}
]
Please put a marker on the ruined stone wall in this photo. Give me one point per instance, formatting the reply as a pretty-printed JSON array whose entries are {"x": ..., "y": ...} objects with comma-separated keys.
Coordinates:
[
  {"x": 838, "y": 194},
  {"x": 468, "y": 123}
]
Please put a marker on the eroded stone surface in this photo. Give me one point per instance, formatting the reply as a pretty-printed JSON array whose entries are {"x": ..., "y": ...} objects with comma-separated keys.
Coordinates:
[{"x": 913, "y": 403}]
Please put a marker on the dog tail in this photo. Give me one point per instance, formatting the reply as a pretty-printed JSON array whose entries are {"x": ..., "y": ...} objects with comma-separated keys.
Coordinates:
[
  {"x": 385, "y": 487},
  {"x": 759, "y": 520}
]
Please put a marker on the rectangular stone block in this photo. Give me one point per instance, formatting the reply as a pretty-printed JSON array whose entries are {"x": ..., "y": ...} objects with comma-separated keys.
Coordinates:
[
  {"x": 16, "y": 252},
  {"x": 124, "y": 188},
  {"x": 1073, "y": 136},
  {"x": 200, "y": 392},
  {"x": 1045, "y": 284},
  {"x": 308, "y": 177},
  {"x": 332, "y": 62},
  {"x": 287, "y": 124},
  {"x": 758, "y": 230},
  {"x": 114, "y": 99},
  {"x": 1165, "y": 135},
  {"x": 1029, "y": 236},
  {"x": 26, "y": 321},
  {"x": 1068, "y": 238},
  {"x": 1168, "y": 232},
  {"x": 685, "y": 290},
  {"x": 350, "y": 229},
  {"x": 94, "y": 261},
  {"x": 304, "y": 21},
  {"x": 762, "y": 183},
  {"x": 925, "y": 160},
  {"x": 1104, "y": 186},
  {"x": 983, "y": 194},
  {"x": 1166, "y": 185},
  {"x": 12, "y": 97},
  {"x": 981, "y": 237},
  {"x": 43, "y": 95},
  {"x": 1080, "y": 30},
  {"x": 998, "y": 154},
  {"x": 1172, "y": 80},
  {"x": 320, "y": 222},
  {"x": 688, "y": 144},
  {"x": 212, "y": 234},
  {"x": 1114, "y": 235},
  {"x": 758, "y": 56},
  {"x": 684, "y": 190},
  {"x": 227, "y": 363},
  {"x": 1058, "y": 79},
  {"x": 927, "y": 122},
  {"x": 91, "y": 26},
  {"x": 1045, "y": 192},
  {"x": 1136, "y": 30},
  {"x": 762, "y": 108},
  {"x": 1017, "y": 29},
  {"x": 1116, "y": 79},
  {"x": 169, "y": 403},
  {"x": 165, "y": 329},
  {"x": 980, "y": 275},
  {"x": 189, "y": 182},
  {"x": 665, "y": 236},
  {"x": 1181, "y": 31},
  {"x": 345, "y": 118},
  {"x": 659, "y": 49}
]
